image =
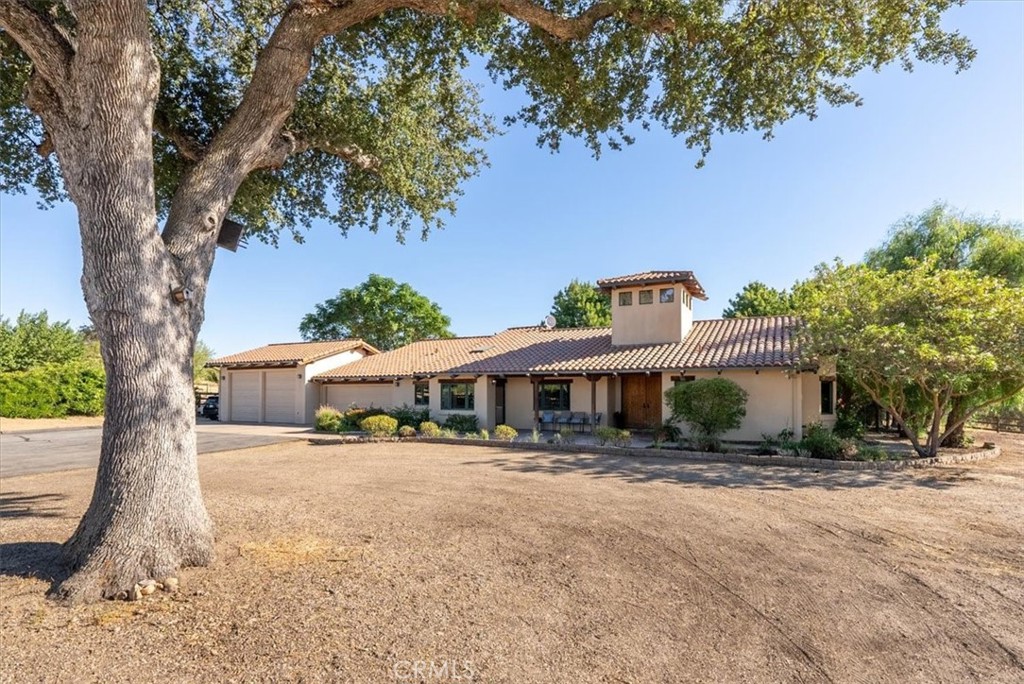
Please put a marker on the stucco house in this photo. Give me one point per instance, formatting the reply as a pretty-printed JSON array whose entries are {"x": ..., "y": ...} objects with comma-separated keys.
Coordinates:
[
  {"x": 512, "y": 377},
  {"x": 273, "y": 384}
]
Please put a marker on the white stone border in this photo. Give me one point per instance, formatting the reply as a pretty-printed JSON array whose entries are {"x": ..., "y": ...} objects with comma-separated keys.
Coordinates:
[{"x": 700, "y": 456}]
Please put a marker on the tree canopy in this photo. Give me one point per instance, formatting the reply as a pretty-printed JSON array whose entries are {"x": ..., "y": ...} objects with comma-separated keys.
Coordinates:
[
  {"x": 757, "y": 299},
  {"x": 32, "y": 340},
  {"x": 581, "y": 305},
  {"x": 953, "y": 240},
  {"x": 380, "y": 311},
  {"x": 917, "y": 339}
]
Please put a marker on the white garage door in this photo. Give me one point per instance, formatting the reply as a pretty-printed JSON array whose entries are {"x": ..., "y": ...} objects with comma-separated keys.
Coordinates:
[
  {"x": 245, "y": 396},
  {"x": 280, "y": 400}
]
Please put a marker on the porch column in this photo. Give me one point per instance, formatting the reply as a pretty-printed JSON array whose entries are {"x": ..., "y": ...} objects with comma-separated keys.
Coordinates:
[
  {"x": 536, "y": 407},
  {"x": 593, "y": 403}
]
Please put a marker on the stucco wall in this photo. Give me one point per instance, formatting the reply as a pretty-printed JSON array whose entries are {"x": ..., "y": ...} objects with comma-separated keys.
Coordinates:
[
  {"x": 309, "y": 397},
  {"x": 364, "y": 395},
  {"x": 650, "y": 323},
  {"x": 769, "y": 401},
  {"x": 519, "y": 400}
]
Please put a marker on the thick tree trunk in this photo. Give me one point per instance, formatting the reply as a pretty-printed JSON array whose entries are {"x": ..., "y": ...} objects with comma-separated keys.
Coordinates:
[
  {"x": 957, "y": 409},
  {"x": 146, "y": 518}
]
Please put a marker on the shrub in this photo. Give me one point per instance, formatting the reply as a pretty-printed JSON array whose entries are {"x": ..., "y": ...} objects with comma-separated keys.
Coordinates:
[
  {"x": 327, "y": 419},
  {"x": 354, "y": 416},
  {"x": 769, "y": 446},
  {"x": 461, "y": 422},
  {"x": 566, "y": 436},
  {"x": 820, "y": 442},
  {"x": 535, "y": 436},
  {"x": 710, "y": 407},
  {"x": 448, "y": 433},
  {"x": 379, "y": 426},
  {"x": 409, "y": 415},
  {"x": 848, "y": 425},
  {"x": 667, "y": 432},
  {"x": 870, "y": 452},
  {"x": 429, "y": 429},
  {"x": 505, "y": 433},
  {"x": 407, "y": 431},
  {"x": 622, "y": 438},
  {"x": 605, "y": 434},
  {"x": 484, "y": 434},
  {"x": 53, "y": 391}
]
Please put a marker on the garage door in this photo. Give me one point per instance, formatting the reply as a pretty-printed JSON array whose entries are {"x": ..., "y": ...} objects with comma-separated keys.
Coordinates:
[
  {"x": 280, "y": 400},
  {"x": 245, "y": 396}
]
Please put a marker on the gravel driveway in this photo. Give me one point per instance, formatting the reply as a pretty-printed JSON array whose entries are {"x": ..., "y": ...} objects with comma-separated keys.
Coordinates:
[{"x": 416, "y": 562}]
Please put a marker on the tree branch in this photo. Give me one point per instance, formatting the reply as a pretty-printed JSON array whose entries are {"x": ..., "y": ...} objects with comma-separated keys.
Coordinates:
[
  {"x": 189, "y": 148},
  {"x": 289, "y": 143},
  {"x": 39, "y": 37}
]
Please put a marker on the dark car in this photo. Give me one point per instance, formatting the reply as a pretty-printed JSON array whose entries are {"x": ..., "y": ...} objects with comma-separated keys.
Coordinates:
[{"x": 211, "y": 408}]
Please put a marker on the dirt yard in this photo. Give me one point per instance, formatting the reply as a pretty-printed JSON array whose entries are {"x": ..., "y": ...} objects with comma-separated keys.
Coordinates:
[
  {"x": 33, "y": 424},
  {"x": 413, "y": 563}
]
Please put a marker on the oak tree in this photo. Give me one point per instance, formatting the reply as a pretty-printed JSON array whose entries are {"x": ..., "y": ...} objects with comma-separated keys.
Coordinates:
[
  {"x": 757, "y": 299},
  {"x": 160, "y": 120},
  {"x": 385, "y": 313}
]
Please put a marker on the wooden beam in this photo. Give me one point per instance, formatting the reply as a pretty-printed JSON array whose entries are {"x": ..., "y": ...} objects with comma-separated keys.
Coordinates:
[{"x": 593, "y": 404}]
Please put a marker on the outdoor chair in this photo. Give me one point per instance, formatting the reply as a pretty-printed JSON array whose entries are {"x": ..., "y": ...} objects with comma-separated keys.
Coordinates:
[
  {"x": 561, "y": 420},
  {"x": 576, "y": 421},
  {"x": 547, "y": 418}
]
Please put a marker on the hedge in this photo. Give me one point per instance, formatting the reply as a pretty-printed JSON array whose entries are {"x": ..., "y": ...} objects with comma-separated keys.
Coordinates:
[{"x": 53, "y": 391}]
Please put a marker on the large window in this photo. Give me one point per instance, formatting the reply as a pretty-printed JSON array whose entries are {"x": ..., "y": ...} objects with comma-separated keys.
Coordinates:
[
  {"x": 667, "y": 295},
  {"x": 646, "y": 296},
  {"x": 421, "y": 393},
  {"x": 457, "y": 396},
  {"x": 625, "y": 299},
  {"x": 828, "y": 397},
  {"x": 553, "y": 396}
]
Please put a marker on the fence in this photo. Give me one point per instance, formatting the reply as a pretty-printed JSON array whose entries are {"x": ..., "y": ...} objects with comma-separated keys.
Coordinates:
[{"x": 998, "y": 424}]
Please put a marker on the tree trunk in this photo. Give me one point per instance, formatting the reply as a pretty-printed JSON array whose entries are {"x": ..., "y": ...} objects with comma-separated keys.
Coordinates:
[
  {"x": 146, "y": 518},
  {"x": 957, "y": 409}
]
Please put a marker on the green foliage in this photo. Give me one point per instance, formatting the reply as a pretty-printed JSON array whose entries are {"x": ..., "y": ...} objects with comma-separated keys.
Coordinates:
[
  {"x": 565, "y": 436},
  {"x": 32, "y": 340},
  {"x": 53, "y": 391},
  {"x": 392, "y": 85},
  {"x": 820, "y": 442},
  {"x": 614, "y": 436},
  {"x": 409, "y": 415},
  {"x": 406, "y": 431},
  {"x": 667, "y": 432},
  {"x": 953, "y": 240},
  {"x": 757, "y": 299},
  {"x": 380, "y": 311},
  {"x": 535, "y": 436},
  {"x": 353, "y": 416},
  {"x": 461, "y": 422},
  {"x": 471, "y": 435},
  {"x": 505, "y": 433},
  {"x": 710, "y": 406},
  {"x": 429, "y": 429},
  {"x": 848, "y": 424},
  {"x": 871, "y": 452},
  {"x": 917, "y": 339},
  {"x": 379, "y": 426},
  {"x": 581, "y": 305},
  {"x": 484, "y": 434},
  {"x": 200, "y": 356},
  {"x": 327, "y": 419},
  {"x": 448, "y": 433}
]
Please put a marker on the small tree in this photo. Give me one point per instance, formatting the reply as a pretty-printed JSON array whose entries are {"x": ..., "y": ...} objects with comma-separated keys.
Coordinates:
[
  {"x": 581, "y": 305},
  {"x": 711, "y": 407},
  {"x": 32, "y": 340}
]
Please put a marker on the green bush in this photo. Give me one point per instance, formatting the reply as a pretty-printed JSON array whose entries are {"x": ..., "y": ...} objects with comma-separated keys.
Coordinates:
[
  {"x": 448, "y": 433},
  {"x": 484, "y": 434},
  {"x": 820, "y": 442},
  {"x": 379, "y": 426},
  {"x": 53, "y": 391},
  {"x": 327, "y": 419},
  {"x": 505, "y": 433},
  {"x": 623, "y": 438},
  {"x": 407, "y": 431},
  {"x": 848, "y": 425},
  {"x": 605, "y": 434},
  {"x": 711, "y": 407},
  {"x": 354, "y": 416},
  {"x": 409, "y": 415},
  {"x": 871, "y": 452},
  {"x": 429, "y": 429},
  {"x": 471, "y": 435},
  {"x": 667, "y": 432},
  {"x": 461, "y": 422},
  {"x": 566, "y": 436}
]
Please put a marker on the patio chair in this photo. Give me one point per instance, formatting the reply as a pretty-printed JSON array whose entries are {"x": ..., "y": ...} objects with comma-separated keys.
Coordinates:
[
  {"x": 576, "y": 421},
  {"x": 561, "y": 419},
  {"x": 587, "y": 425},
  {"x": 547, "y": 418}
]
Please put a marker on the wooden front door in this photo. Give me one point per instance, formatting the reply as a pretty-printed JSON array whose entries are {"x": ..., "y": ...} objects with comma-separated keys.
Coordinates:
[{"x": 641, "y": 401}]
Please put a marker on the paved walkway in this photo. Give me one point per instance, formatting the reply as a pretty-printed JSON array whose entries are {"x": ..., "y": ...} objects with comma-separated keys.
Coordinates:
[{"x": 23, "y": 453}]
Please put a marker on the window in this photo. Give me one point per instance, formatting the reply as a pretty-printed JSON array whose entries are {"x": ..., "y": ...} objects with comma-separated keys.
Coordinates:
[
  {"x": 421, "y": 393},
  {"x": 625, "y": 299},
  {"x": 828, "y": 388},
  {"x": 676, "y": 379},
  {"x": 667, "y": 295},
  {"x": 553, "y": 396},
  {"x": 646, "y": 296},
  {"x": 457, "y": 396}
]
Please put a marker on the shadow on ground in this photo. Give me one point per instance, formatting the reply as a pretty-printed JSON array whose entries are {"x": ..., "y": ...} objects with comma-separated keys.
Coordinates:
[
  {"x": 729, "y": 475},
  {"x": 19, "y": 505},
  {"x": 42, "y": 560}
]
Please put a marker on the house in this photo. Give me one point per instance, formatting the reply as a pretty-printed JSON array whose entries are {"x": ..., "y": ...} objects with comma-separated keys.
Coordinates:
[
  {"x": 620, "y": 372},
  {"x": 273, "y": 384}
]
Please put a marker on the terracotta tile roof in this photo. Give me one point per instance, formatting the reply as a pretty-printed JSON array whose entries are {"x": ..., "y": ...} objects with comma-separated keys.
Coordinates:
[
  {"x": 289, "y": 353},
  {"x": 684, "y": 278},
  {"x": 425, "y": 357},
  {"x": 723, "y": 343}
]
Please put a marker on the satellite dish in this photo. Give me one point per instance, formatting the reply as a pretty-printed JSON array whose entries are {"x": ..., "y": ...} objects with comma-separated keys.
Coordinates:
[{"x": 549, "y": 322}]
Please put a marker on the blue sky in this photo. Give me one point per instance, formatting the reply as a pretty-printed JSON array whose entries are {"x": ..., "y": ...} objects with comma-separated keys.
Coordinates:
[{"x": 532, "y": 221}]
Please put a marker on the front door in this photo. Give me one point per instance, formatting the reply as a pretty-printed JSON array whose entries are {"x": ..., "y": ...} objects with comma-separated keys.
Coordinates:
[
  {"x": 499, "y": 402},
  {"x": 641, "y": 401}
]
